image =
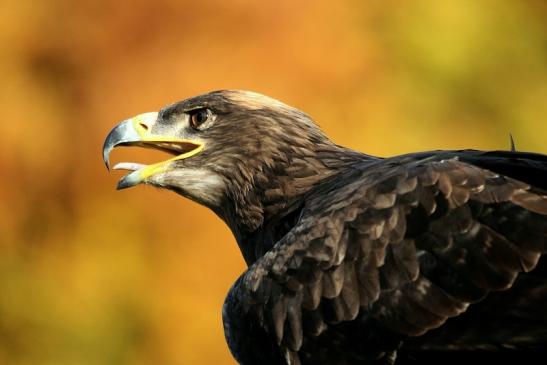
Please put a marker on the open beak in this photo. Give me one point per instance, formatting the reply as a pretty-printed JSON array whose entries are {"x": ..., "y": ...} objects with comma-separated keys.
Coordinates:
[{"x": 136, "y": 132}]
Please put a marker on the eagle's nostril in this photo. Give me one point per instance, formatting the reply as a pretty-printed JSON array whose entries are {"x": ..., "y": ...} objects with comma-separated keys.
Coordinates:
[{"x": 143, "y": 126}]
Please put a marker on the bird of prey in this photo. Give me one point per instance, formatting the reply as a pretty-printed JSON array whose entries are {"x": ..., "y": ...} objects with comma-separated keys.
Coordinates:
[{"x": 356, "y": 259}]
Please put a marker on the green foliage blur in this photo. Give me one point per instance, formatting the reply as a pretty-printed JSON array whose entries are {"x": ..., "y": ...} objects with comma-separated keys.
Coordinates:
[{"x": 89, "y": 275}]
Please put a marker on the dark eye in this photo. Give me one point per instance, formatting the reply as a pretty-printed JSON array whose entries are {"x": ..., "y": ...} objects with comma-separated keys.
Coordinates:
[{"x": 198, "y": 117}]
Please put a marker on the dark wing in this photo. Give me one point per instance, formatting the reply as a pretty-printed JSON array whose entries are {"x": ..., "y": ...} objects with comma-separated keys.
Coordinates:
[{"x": 410, "y": 243}]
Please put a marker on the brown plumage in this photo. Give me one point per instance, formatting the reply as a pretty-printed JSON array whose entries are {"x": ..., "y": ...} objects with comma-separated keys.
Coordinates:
[{"x": 352, "y": 258}]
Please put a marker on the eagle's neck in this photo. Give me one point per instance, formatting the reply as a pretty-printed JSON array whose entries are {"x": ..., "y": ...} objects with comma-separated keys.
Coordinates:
[{"x": 261, "y": 210}]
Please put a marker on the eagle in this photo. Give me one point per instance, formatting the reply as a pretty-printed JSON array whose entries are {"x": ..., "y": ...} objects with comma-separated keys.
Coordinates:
[{"x": 352, "y": 258}]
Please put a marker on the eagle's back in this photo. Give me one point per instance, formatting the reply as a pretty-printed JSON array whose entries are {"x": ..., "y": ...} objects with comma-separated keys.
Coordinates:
[{"x": 406, "y": 254}]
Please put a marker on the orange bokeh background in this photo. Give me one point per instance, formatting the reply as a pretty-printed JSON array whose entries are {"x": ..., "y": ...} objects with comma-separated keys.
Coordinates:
[{"x": 89, "y": 275}]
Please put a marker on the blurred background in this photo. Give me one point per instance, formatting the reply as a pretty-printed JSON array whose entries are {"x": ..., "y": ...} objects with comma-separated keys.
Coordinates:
[{"x": 89, "y": 275}]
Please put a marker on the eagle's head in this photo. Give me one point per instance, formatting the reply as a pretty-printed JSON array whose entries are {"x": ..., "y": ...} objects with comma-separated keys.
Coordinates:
[{"x": 244, "y": 155}]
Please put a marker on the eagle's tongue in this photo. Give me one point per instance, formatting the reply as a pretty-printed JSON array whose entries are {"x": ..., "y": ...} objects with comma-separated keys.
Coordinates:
[{"x": 131, "y": 166}]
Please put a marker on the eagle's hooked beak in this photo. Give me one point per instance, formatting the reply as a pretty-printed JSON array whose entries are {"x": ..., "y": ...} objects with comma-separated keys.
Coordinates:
[{"x": 136, "y": 131}]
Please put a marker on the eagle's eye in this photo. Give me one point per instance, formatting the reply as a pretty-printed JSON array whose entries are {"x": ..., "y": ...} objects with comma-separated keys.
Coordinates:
[{"x": 198, "y": 117}]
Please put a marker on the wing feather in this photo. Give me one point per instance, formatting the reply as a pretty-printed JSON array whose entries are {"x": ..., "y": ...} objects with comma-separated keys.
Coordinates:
[{"x": 408, "y": 245}]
